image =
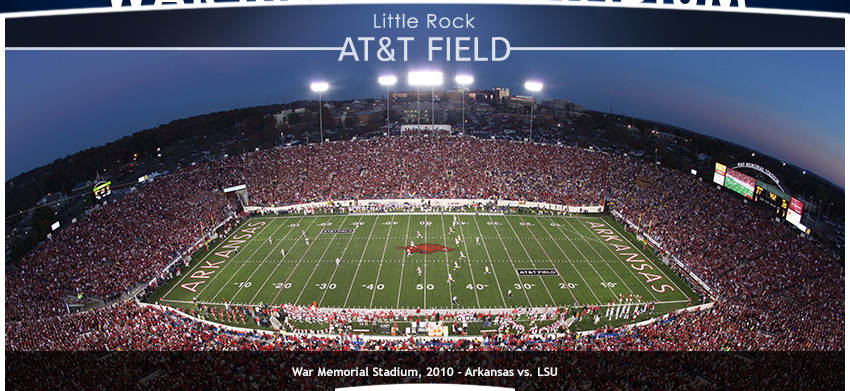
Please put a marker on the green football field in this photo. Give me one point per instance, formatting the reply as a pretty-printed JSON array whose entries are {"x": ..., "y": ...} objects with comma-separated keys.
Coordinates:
[{"x": 543, "y": 260}]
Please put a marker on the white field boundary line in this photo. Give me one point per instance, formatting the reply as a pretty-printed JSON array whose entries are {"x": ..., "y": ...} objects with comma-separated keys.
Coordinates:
[
  {"x": 521, "y": 244},
  {"x": 602, "y": 279},
  {"x": 598, "y": 301},
  {"x": 297, "y": 264},
  {"x": 619, "y": 277},
  {"x": 201, "y": 261},
  {"x": 380, "y": 266},
  {"x": 354, "y": 278},
  {"x": 550, "y": 259},
  {"x": 441, "y": 310},
  {"x": 524, "y": 291},
  {"x": 263, "y": 261},
  {"x": 469, "y": 263},
  {"x": 300, "y": 218},
  {"x": 220, "y": 271},
  {"x": 492, "y": 266},
  {"x": 641, "y": 283},
  {"x": 623, "y": 234}
]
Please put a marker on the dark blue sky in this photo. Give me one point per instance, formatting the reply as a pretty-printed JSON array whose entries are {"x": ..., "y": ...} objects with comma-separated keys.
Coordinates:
[{"x": 788, "y": 104}]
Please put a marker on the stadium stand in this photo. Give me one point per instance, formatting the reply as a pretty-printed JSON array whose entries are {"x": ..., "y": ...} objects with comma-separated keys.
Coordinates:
[{"x": 776, "y": 291}]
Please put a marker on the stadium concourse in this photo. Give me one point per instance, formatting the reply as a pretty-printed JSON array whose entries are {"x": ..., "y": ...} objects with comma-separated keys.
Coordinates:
[{"x": 775, "y": 290}]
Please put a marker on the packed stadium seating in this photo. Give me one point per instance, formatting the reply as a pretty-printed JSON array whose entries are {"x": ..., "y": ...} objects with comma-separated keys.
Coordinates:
[{"x": 776, "y": 290}]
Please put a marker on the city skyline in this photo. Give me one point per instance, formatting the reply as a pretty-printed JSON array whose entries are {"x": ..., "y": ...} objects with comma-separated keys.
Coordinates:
[{"x": 786, "y": 104}]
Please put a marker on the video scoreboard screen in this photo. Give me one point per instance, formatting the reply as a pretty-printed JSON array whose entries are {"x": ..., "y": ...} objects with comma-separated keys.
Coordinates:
[
  {"x": 795, "y": 214},
  {"x": 742, "y": 184},
  {"x": 770, "y": 195},
  {"x": 719, "y": 173},
  {"x": 101, "y": 190}
]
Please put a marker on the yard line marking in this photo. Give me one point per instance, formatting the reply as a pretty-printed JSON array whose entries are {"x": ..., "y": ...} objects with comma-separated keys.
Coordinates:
[
  {"x": 469, "y": 263},
  {"x": 487, "y": 251},
  {"x": 619, "y": 277},
  {"x": 555, "y": 303},
  {"x": 512, "y": 263},
  {"x": 377, "y": 277},
  {"x": 350, "y": 237},
  {"x": 443, "y": 235},
  {"x": 353, "y": 279},
  {"x": 588, "y": 262},
  {"x": 261, "y": 262},
  {"x": 648, "y": 258},
  {"x": 200, "y": 262},
  {"x": 425, "y": 270},
  {"x": 571, "y": 263},
  {"x": 279, "y": 263},
  {"x": 401, "y": 277},
  {"x": 232, "y": 275},
  {"x": 550, "y": 261},
  {"x": 299, "y": 263}
]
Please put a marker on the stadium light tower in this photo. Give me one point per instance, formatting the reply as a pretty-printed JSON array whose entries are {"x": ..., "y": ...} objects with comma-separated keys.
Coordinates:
[
  {"x": 463, "y": 80},
  {"x": 320, "y": 88},
  {"x": 420, "y": 79},
  {"x": 388, "y": 81},
  {"x": 533, "y": 87}
]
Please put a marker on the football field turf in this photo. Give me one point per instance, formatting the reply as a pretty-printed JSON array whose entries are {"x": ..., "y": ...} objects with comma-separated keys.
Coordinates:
[{"x": 543, "y": 260}]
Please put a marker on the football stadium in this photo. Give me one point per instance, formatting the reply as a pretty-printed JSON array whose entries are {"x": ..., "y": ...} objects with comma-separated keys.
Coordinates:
[
  {"x": 419, "y": 240},
  {"x": 348, "y": 242}
]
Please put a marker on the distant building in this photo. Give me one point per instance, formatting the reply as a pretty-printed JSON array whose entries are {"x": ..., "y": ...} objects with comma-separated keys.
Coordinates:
[
  {"x": 480, "y": 107},
  {"x": 521, "y": 103},
  {"x": 556, "y": 107},
  {"x": 354, "y": 106},
  {"x": 501, "y": 95},
  {"x": 560, "y": 108},
  {"x": 408, "y": 114},
  {"x": 363, "y": 117},
  {"x": 574, "y": 108},
  {"x": 282, "y": 118}
]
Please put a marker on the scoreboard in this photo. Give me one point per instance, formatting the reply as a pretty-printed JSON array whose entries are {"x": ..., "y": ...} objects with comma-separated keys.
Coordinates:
[
  {"x": 101, "y": 190},
  {"x": 740, "y": 183},
  {"x": 719, "y": 174},
  {"x": 773, "y": 197}
]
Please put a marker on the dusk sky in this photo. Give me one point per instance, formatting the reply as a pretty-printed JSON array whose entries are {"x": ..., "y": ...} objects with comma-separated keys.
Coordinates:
[{"x": 787, "y": 104}]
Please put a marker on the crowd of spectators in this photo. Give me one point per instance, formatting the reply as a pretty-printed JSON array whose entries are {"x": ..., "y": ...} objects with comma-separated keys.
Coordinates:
[
  {"x": 787, "y": 287},
  {"x": 776, "y": 290},
  {"x": 115, "y": 248},
  {"x": 416, "y": 167},
  {"x": 130, "y": 326}
]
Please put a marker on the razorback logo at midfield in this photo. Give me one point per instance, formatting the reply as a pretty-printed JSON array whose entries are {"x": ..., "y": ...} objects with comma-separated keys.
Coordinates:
[{"x": 427, "y": 248}]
